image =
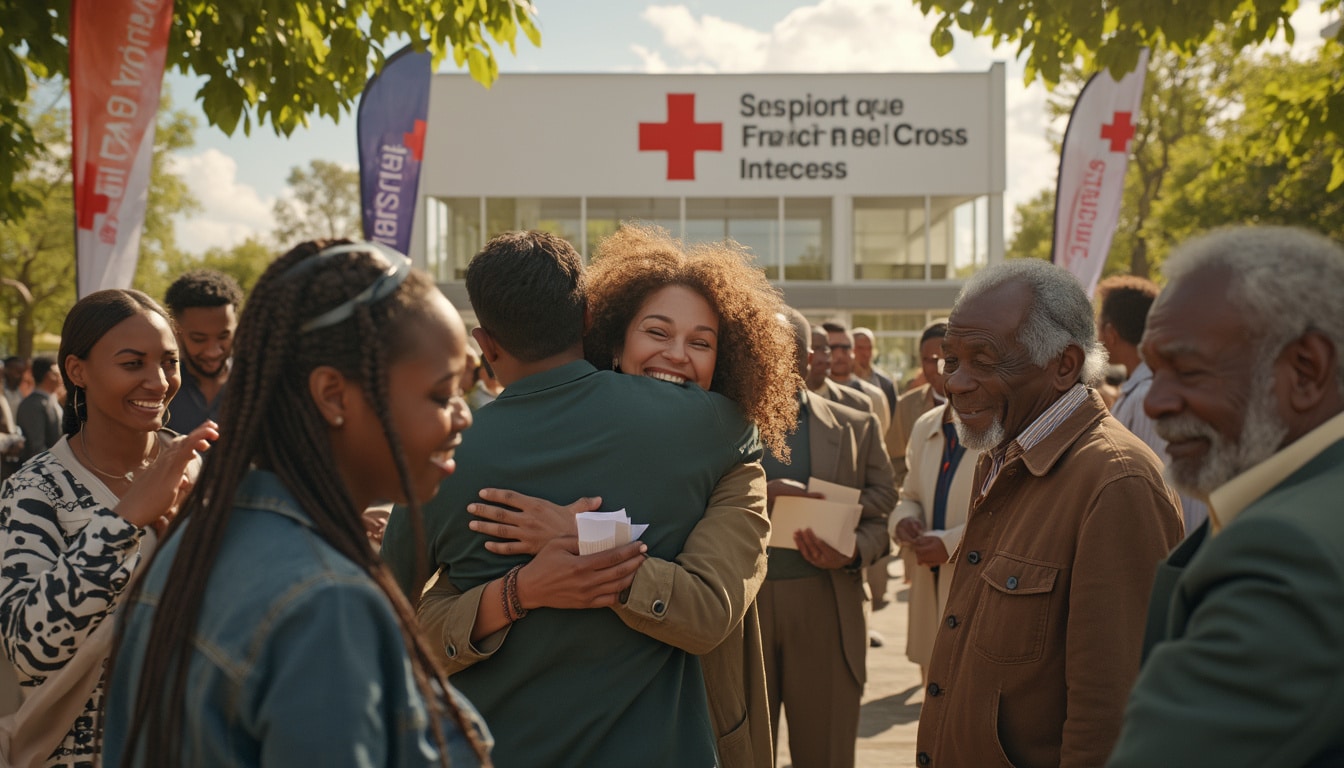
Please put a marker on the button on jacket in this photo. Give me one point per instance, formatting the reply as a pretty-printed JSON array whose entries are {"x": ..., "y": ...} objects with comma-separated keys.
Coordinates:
[{"x": 1050, "y": 598}]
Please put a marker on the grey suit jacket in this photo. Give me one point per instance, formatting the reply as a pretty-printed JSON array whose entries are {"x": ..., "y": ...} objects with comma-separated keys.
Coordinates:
[
  {"x": 40, "y": 419},
  {"x": 847, "y": 448}
]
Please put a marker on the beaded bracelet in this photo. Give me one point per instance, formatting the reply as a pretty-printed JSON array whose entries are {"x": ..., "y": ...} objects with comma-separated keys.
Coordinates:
[
  {"x": 504, "y": 599},
  {"x": 511, "y": 591}
]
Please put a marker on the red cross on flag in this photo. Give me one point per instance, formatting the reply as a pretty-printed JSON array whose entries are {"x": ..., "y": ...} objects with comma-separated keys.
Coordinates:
[
  {"x": 1092, "y": 171},
  {"x": 117, "y": 54}
]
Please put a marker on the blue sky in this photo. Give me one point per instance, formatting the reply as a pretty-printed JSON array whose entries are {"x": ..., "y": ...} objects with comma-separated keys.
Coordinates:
[{"x": 238, "y": 178}]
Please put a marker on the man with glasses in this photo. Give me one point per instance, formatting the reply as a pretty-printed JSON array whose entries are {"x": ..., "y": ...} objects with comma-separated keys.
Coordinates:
[{"x": 841, "y": 342}]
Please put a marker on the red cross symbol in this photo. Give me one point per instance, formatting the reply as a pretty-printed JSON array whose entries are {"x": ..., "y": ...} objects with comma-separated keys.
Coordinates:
[
  {"x": 415, "y": 140},
  {"x": 681, "y": 137},
  {"x": 90, "y": 203},
  {"x": 1119, "y": 132}
]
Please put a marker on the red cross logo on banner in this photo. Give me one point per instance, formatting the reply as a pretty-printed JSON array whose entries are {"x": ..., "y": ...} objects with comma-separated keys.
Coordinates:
[
  {"x": 681, "y": 137},
  {"x": 1119, "y": 132},
  {"x": 415, "y": 140}
]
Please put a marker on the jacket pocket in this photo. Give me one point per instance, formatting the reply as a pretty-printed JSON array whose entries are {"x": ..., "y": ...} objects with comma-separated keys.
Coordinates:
[
  {"x": 1011, "y": 619},
  {"x": 734, "y": 747},
  {"x": 994, "y": 731}
]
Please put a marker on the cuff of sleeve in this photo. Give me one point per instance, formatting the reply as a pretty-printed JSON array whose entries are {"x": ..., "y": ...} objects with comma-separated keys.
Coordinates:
[{"x": 651, "y": 592}]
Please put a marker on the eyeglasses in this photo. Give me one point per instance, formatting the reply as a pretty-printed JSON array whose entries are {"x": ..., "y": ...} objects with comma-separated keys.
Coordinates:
[
  {"x": 383, "y": 286},
  {"x": 845, "y": 347}
]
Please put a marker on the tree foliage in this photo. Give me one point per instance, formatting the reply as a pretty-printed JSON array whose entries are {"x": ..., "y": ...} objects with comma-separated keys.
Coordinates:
[
  {"x": 1052, "y": 36},
  {"x": 264, "y": 62},
  {"x": 37, "y": 248},
  {"x": 1210, "y": 151},
  {"x": 325, "y": 204}
]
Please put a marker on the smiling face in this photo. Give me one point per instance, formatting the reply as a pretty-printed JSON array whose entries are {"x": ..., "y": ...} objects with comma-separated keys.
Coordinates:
[
  {"x": 428, "y": 413},
  {"x": 1211, "y": 399},
  {"x": 130, "y": 374},
  {"x": 994, "y": 388},
  {"x": 206, "y": 335},
  {"x": 674, "y": 337}
]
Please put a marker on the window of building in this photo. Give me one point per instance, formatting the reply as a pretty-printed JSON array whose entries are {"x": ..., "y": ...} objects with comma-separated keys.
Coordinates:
[
  {"x": 807, "y": 238},
  {"x": 753, "y": 222},
  {"x": 605, "y": 214},
  {"x": 889, "y": 237},
  {"x": 453, "y": 231},
  {"x": 560, "y": 216}
]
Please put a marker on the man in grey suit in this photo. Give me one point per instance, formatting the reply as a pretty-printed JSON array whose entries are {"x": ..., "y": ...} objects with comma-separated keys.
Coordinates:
[
  {"x": 1242, "y": 654},
  {"x": 40, "y": 412},
  {"x": 813, "y": 604}
]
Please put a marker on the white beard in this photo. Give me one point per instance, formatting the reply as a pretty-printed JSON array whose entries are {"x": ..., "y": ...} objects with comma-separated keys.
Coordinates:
[
  {"x": 1262, "y": 432},
  {"x": 979, "y": 441}
]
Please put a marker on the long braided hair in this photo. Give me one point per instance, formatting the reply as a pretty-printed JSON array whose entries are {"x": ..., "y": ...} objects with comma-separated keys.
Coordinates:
[{"x": 270, "y": 421}]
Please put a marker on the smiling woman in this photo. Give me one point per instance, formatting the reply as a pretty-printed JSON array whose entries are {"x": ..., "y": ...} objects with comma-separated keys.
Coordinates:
[{"x": 78, "y": 520}]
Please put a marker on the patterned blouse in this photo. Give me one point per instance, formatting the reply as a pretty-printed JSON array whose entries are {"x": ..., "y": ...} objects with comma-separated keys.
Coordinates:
[{"x": 67, "y": 557}]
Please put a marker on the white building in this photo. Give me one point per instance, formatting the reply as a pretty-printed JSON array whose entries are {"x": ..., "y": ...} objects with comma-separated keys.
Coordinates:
[{"x": 866, "y": 197}]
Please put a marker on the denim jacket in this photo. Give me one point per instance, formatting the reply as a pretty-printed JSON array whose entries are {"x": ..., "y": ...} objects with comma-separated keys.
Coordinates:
[{"x": 298, "y": 657}]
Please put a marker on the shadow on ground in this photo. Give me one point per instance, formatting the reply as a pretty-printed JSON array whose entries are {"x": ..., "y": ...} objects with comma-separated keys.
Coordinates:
[{"x": 878, "y": 715}]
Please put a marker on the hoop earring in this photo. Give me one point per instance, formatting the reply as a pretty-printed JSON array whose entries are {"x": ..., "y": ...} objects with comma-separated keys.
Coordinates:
[
  {"x": 167, "y": 417},
  {"x": 80, "y": 402}
]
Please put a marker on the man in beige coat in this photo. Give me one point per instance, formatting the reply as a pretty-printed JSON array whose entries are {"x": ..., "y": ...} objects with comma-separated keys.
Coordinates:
[
  {"x": 1069, "y": 518},
  {"x": 928, "y": 522}
]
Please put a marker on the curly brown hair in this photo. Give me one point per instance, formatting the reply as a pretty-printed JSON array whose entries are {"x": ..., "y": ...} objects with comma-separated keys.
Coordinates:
[{"x": 755, "y": 366}]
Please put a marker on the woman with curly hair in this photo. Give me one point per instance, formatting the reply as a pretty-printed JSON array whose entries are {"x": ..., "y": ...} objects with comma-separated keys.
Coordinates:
[{"x": 706, "y": 318}]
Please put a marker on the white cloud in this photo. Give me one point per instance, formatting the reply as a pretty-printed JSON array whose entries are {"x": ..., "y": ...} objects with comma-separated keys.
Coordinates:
[{"x": 230, "y": 210}]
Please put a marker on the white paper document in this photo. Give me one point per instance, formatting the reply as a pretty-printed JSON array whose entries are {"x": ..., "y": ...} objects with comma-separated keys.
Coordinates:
[
  {"x": 600, "y": 531},
  {"x": 833, "y": 519}
]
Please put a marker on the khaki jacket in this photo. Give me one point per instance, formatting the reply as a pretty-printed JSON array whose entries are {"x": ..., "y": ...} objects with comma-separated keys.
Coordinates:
[
  {"x": 847, "y": 448},
  {"x": 928, "y": 594},
  {"x": 1041, "y": 640},
  {"x": 712, "y": 583},
  {"x": 909, "y": 408}
]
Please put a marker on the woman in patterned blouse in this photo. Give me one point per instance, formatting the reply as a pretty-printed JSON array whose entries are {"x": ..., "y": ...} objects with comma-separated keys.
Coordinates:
[{"x": 77, "y": 520}]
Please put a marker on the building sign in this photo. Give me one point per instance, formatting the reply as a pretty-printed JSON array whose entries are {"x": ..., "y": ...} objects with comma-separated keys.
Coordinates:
[{"x": 717, "y": 135}]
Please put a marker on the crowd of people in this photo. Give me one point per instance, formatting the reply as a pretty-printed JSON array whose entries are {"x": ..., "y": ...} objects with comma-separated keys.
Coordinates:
[{"x": 329, "y": 524}]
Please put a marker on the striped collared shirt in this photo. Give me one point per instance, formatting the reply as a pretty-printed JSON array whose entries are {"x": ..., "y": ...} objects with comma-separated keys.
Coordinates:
[{"x": 1035, "y": 433}]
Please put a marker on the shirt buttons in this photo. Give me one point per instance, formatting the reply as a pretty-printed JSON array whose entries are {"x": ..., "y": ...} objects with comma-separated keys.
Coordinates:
[
  {"x": 659, "y": 607},
  {"x": 951, "y": 622},
  {"x": 1011, "y": 583},
  {"x": 452, "y": 651},
  {"x": 934, "y": 690},
  {"x": 973, "y": 558},
  {"x": 924, "y": 759}
]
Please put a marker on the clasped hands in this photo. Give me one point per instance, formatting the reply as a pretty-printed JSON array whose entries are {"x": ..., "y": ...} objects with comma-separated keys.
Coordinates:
[
  {"x": 557, "y": 576},
  {"x": 929, "y": 550}
]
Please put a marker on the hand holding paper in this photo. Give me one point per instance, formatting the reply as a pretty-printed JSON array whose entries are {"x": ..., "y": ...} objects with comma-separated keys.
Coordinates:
[{"x": 833, "y": 519}]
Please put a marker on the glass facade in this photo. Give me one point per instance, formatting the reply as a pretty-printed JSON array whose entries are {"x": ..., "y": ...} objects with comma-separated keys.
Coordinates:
[{"x": 794, "y": 239}]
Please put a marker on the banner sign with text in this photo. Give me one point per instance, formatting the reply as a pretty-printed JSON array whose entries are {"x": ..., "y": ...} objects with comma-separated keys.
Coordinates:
[
  {"x": 391, "y": 127},
  {"x": 117, "y": 55},
  {"x": 1092, "y": 171}
]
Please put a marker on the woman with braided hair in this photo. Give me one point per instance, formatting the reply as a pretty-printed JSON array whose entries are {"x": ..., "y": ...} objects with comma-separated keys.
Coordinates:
[{"x": 268, "y": 632}]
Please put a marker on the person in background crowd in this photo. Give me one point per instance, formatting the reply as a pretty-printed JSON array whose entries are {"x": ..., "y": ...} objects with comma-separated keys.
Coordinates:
[
  {"x": 204, "y": 304},
  {"x": 11, "y": 447},
  {"x": 1125, "y": 301},
  {"x": 1112, "y": 379},
  {"x": 267, "y": 632},
  {"x": 1069, "y": 517},
  {"x": 819, "y": 381},
  {"x": 39, "y": 415},
  {"x": 864, "y": 353},
  {"x": 80, "y": 518},
  {"x": 1243, "y": 664},
  {"x": 920, "y": 400},
  {"x": 487, "y": 387},
  {"x": 11, "y": 440},
  {"x": 18, "y": 381},
  {"x": 841, "y": 342},
  {"x": 814, "y": 607}
]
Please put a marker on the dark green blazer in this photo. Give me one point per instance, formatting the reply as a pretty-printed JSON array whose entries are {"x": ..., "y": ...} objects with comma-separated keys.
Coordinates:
[{"x": 1244, "y": 656}]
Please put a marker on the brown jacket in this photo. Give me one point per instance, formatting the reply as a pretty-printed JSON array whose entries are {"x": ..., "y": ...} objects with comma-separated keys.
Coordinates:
[{"x": 1041, "y": 639}]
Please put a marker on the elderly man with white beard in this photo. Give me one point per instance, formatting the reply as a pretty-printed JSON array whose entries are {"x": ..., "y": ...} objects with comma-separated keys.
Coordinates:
[
  {"x": 1243, "y": 662},
  {"x": 1069, "y": 516}
]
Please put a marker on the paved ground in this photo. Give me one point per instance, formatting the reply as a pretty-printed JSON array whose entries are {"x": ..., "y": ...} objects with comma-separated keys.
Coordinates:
[{"x": 889, "y": 718}]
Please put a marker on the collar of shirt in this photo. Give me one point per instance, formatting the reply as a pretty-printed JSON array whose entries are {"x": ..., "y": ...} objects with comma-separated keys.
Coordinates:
[
  {"x": 1140, "y": 375},
  {"x": 1035, "y": 432},
  {"x": 1228, "y": 500}
]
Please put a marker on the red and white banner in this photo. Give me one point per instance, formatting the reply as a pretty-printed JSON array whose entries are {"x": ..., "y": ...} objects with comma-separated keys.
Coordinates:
[
  {"x": 1092, "y": 171},
  {"x": 117, "y": 54}
]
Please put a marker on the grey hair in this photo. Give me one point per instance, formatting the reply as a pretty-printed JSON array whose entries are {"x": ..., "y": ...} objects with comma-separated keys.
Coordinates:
[
  {"x": 1286, "y": 279},
  {"x": 1060, "y": 314}
]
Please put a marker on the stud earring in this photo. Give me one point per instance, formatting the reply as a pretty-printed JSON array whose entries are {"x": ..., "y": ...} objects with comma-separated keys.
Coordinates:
[
  {"x": 339, "y": 421},
  {"x": 615, "y": 363}
]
